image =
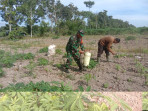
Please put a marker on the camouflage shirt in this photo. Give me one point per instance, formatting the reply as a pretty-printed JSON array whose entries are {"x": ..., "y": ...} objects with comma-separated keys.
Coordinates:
[{"x": 73, "y": 44}]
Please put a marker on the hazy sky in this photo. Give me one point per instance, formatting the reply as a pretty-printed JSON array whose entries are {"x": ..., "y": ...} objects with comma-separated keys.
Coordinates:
[{"x": 133, "y": 11}]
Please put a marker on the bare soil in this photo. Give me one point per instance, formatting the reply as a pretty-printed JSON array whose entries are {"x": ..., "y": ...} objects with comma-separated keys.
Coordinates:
[{"x": 120, "y": 75}]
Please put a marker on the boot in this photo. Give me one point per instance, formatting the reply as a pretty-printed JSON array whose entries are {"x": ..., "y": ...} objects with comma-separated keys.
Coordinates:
[
  {"x": 107, "y": 59},
  {"x": 67, "y": 70},
  {"x": 80, "y": 66},
  {"x": 98, "y": 60}
]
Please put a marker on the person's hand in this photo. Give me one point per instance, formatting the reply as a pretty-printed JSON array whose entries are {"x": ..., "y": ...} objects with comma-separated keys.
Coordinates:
[
  {"x": 81, "y": 52},
  {"x": 114, "y": 54}
]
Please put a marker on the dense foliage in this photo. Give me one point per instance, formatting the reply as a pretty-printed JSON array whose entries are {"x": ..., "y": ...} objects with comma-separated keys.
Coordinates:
[
  {"x": 60, "y": 19},
  {"x": 59, "y": 101}
]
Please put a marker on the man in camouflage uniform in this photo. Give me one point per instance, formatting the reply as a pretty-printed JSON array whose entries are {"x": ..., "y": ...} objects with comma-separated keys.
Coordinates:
[{"x": 72, "y": 49}]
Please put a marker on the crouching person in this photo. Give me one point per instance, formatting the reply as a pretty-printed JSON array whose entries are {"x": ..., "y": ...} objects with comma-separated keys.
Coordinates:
[
  {"x": 72, "y": 49},
  {"x": 105, "y": 44}
]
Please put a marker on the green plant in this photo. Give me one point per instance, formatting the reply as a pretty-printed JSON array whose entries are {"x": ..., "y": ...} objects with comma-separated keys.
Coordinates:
[
  {"x": 143, "y": 70},
  {"x": 42, "y": 62},
  {"x": 24, "y": 56},
  {"x": 80, "y": 88},
  {"x": 130, "y": 38},
  {"x": 140, "y": 68},
  {"x": 58, "y": 65},
  {"x": 145, "y": 101},
  {"x": 1, "y": 86},
  {"x": 65, "y": 55},
  {"x": 118, "y": 67},
  {"x": 71, "y": 77},
  {"x": 105, "y": 85},
  {"x": 58, "y": 101},
  {"x": 97, "y": 107},
  {"x": 31, "y": 67},
  {"x": 120, "y": 55},
  {"x": 2, "y": 73},
  {"x": 6, "y": 60},
  {"x": 39, "y": 86},
  {"x": 43, "y": 50},
  {"x": 55, "y": 37},
  {"x": 16, "y": 34},
  {"x": 129, "y": 80},
  {"x": 58, "y": 51},
  {"x": 75, "y": 103},
  {"x": 88, "y": 77},
  {"x": 92, "y": 64}
]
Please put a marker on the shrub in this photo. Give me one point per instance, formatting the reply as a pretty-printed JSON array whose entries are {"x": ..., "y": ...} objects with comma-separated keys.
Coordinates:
[
  {"x": 16, "y": 34},
  {"x": 43, "y": 50},
  {"x": 55, "y": 37},
  {"x": 7, "y": 60},
  {"x": 130, "y": 38},
  {"x": 92, "y": 64},
  {"x": 24, "y": 56},
  {"x": 42, "y": 62}
]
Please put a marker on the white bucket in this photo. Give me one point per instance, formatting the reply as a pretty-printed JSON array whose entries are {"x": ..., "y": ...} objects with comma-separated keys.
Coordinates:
[
  {"x": 87, "y": 58},
  {"x": 51, "y": 50}
]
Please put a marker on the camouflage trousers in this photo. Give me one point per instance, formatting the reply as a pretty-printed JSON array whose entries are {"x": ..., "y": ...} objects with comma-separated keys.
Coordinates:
[{"x": 76, "y": 57}]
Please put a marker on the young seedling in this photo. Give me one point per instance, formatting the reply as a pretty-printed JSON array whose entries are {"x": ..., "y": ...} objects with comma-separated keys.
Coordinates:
[
  {"x": 129, "y": 80},
  {"x": 88, "y": 77},
  {"x": 31, "y": 67},
  {"x": 118, "y": 67},
  {"x": 105, "y": 85}
]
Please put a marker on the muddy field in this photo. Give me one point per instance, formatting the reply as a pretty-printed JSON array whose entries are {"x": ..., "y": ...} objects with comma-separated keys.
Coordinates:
[{"x": 121, "y": 74}]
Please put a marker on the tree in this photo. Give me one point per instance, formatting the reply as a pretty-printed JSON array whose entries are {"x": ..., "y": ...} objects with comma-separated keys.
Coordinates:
[
  {"x": 9, "y": 13},
  {"x": 31, "y": 11},
  {"x": 89, "y": 4}
]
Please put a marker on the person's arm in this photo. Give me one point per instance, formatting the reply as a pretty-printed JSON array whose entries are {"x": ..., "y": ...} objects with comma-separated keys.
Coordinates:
[
  {"x": 82, "y": 46},
  {"x": 109, "y": 48}
]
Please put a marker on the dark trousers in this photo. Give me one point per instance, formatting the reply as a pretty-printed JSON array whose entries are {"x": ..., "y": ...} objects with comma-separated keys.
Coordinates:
[
  {"x": 101, "y": 49},
  {"x": 76, "y": 57}
]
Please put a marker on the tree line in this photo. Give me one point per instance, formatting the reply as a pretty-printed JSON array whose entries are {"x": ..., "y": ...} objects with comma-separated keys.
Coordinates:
[{"x": 53, "y": 16}]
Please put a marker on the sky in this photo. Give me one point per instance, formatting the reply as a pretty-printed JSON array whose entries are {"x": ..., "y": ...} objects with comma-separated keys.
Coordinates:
[{"x": 133, "y": 11}]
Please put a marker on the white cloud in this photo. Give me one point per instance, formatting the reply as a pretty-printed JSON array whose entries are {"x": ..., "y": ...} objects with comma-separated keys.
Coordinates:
[
  {"x": 133, "y": 11},
  {"x": 137, "y": 20}
]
